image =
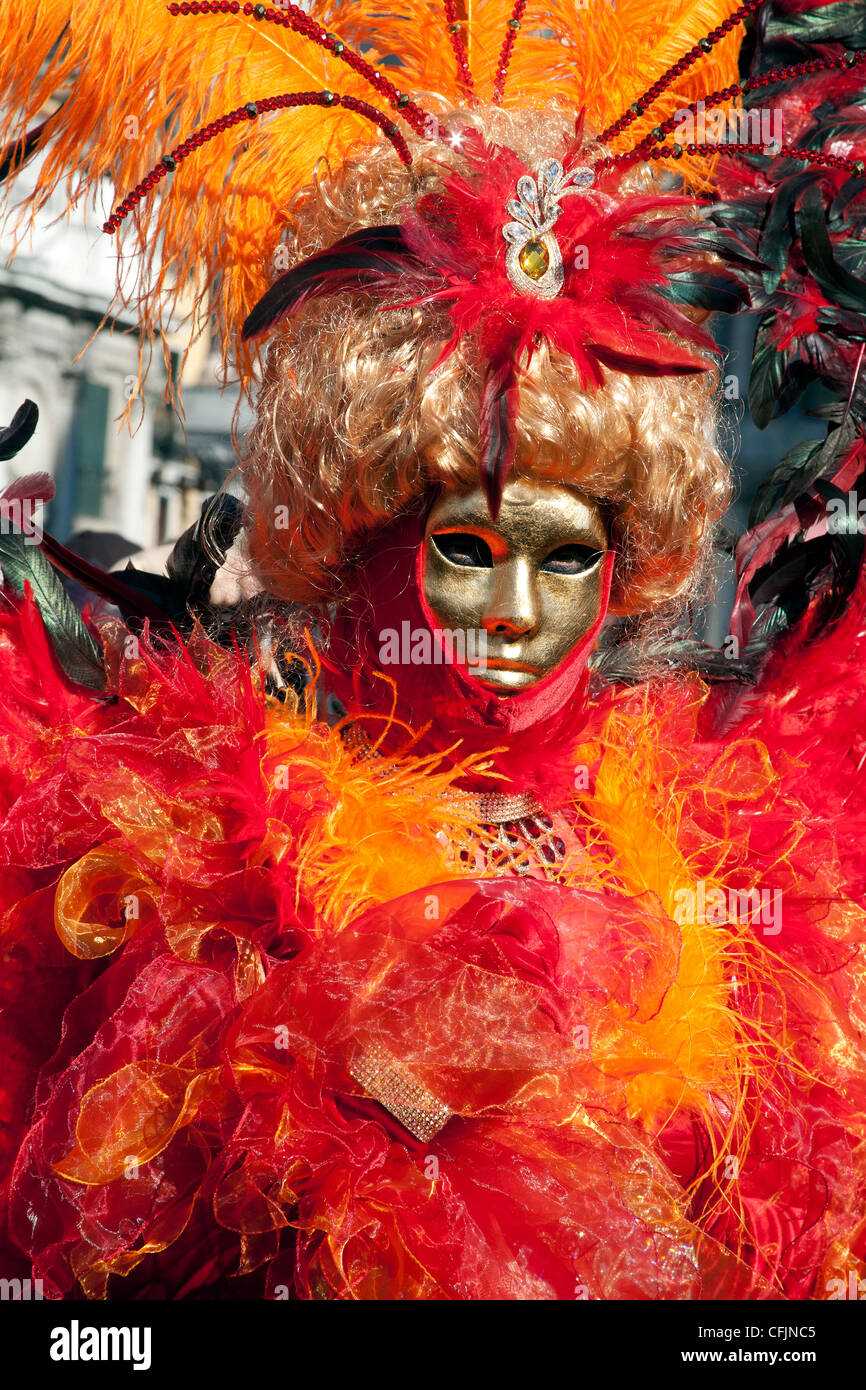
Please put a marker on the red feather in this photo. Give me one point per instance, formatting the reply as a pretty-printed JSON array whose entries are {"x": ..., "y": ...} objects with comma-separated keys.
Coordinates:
[
  {"x": 499, "y": 397},
  {"x": 619, "y": 252}
]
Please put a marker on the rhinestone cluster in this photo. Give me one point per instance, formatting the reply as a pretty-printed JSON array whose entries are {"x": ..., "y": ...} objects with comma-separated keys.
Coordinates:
[
  {"x": 416, "y": 1108},
  {"x": 355, "y": 739},
  {"x": 533, "y": 261}
]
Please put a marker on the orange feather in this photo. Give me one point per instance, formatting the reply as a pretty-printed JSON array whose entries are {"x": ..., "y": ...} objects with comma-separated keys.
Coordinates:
[{"x": 136, "y": 80}]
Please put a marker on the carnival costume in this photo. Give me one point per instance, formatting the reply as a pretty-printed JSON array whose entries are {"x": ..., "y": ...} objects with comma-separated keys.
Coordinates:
[{"x": 327, "y": 975}]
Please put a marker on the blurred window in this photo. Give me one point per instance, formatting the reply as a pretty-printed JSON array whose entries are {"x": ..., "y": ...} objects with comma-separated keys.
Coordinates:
[{"x": 91, "y": 424}]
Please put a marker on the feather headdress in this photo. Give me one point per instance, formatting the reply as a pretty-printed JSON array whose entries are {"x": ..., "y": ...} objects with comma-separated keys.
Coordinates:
[
  {"x": 139, "y": 78},
  {"x": 151, "y": 95}
]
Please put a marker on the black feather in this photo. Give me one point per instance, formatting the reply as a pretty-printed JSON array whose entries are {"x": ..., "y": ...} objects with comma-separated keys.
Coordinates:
[
  {"x": 15, "y": 435},
  {"x": 108, "y": 586},
  {"x": 822, "y": 464},
  {"x": 820, "y": 24},
  {"x": 16, "y": 154},
  {"x": 370, "y": 258},
  {"x": 838, "y": 284},
  {"x": 624, "y": 659},
  {"x": 765, "y": 380},
  {"x": 779, "y": 228},
  {"x": 767, "y": 496},
  {"x": 852, "y": 188},
  {"x": 720, "y": 293}
]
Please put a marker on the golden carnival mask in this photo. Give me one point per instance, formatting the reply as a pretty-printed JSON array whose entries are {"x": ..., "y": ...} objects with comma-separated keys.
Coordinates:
[{"x": 531, "y": 581}]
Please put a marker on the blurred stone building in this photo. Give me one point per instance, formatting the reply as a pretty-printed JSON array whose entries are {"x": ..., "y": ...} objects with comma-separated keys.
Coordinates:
[{"x": 145, "y": 480}]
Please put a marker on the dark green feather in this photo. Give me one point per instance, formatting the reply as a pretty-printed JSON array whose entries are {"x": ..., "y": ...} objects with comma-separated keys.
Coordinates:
[
  {"x": 73, "y": 643},
  {"x": 821, "y": 464},
  {"x": 838, "y": 284},
  {"x": 766, "y": 497},
  {"x": 844, "y": 21},
  {"x": 765, "y": 381},
  {"x": 778, "y": 231},
  {"x": 719, "y": 293}
]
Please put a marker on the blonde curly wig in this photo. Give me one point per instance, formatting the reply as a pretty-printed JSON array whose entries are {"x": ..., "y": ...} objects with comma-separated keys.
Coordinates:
[{"x": 353, "y": 427}]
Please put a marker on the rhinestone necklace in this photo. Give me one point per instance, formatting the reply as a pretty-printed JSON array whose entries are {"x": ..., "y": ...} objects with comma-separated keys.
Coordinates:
[
  {"x": 521, "y": 845},
  {"x": 518, "y": 833}
]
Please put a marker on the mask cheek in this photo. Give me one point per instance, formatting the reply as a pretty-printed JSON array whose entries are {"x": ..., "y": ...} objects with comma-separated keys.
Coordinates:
[{"x": 570, "y": 608}]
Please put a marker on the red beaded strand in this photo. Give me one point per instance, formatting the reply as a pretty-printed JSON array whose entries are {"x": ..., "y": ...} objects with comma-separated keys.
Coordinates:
[
  {"x": 505, "y": 53},
  {"x": 249, "y": 112},
  {"x": 781, "y": 74},
  {"x": 292, "y": 17},
  {"x": 675, "y": 151},
  {"x": 455, "y": 33},
  {"x": 701, "y": 48}
]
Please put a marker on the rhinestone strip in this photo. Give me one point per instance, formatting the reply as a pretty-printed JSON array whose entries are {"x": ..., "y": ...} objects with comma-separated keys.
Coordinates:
[
  {"x": 494, "y": 808},
  {"x": 416, "y": 1108}
]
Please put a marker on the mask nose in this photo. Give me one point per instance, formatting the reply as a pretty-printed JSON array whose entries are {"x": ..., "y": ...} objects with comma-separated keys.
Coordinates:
[{"x": 513, "y": 608}]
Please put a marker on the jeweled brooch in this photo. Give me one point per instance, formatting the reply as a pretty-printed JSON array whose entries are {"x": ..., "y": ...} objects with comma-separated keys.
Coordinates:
[{"x": 533, "y": 260}]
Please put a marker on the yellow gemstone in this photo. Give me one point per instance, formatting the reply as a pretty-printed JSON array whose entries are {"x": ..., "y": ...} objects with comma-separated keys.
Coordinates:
[{"x": 534, "y": 259}]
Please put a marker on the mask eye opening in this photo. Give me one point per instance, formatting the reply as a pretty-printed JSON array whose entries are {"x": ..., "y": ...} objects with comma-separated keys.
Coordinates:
[
  {"x": 463, "y": 548},
  {"x": 572, "y": 559}
]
